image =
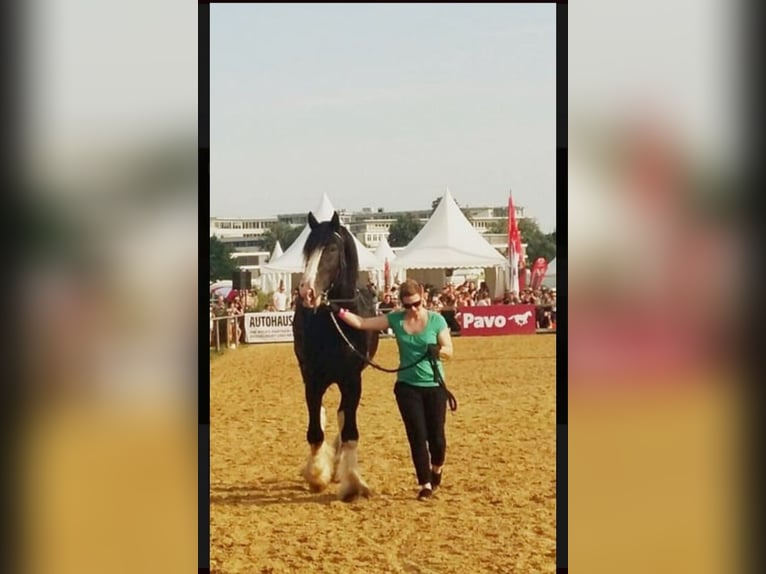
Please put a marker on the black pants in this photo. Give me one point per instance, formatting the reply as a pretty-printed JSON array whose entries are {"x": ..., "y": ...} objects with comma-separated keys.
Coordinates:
[{"x": 423, "y": 411}]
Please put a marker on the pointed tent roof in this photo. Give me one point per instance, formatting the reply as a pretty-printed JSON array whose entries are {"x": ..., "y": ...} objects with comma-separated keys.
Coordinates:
[
  {"x": 384, "y": 251},
  {"x": 277, "y": 252},
  {"x": 292, "y": 259},
  {"x": 448, "y": 240}
]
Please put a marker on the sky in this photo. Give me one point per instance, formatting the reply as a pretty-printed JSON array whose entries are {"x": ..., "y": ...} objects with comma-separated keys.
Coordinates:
[{"x": 382, "y": 106}]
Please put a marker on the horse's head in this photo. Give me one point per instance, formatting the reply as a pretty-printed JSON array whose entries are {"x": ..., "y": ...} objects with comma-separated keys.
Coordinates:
[{"x": 331, "y": 263}]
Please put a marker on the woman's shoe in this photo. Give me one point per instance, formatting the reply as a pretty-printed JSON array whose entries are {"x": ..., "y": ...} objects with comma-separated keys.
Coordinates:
[
  {"x": 436, "y": 479},
  {"x": 425, "y": 493}
]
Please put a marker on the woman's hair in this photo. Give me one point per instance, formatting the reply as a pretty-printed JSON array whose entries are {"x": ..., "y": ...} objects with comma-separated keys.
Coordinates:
[{"x": 408, "y": 288}]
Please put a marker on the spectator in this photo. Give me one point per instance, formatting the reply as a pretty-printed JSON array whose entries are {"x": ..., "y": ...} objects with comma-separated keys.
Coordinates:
[
  {"x": 294, "y": 298},
  {"x": 239, "y": 308},
  {"x": 553, "y": 308},
  {"x": 387, "y": 305},
  {"x": 219, "y": 310},
  {"x": 483, "y": 299},
  {"x": 212, "y": 326},
  {"x": 233, "y": 326},
  {"x": 450, "y": 313},
  {"x": 279, "y": 299},
  {"x": 373, "y": 291},
  {"x": 384, "y": 308},
  {"x": 394, "y": 294}
]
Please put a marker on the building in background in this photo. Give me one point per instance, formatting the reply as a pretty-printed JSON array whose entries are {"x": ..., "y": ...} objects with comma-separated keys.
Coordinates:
[{"x": 243, "y": 234}]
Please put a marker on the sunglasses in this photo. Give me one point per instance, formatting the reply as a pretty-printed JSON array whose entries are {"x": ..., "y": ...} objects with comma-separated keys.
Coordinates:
[{"x": 411, "y": 305}]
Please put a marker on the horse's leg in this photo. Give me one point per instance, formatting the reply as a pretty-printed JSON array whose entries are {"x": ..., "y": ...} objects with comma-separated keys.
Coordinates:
[
  {"x": 318, "y": 468},
  {"x": 351, "y": 482},
  {"x": 337, "y": 445}
]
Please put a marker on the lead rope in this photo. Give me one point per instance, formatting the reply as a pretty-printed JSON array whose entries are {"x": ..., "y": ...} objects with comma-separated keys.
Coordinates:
[
  {"x": 451, "y": 400},
  {"x": 367, "y": 359}
]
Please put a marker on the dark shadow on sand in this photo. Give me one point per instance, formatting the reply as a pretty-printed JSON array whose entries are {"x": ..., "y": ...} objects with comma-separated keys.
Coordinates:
[{"x": 269, "y": 493}]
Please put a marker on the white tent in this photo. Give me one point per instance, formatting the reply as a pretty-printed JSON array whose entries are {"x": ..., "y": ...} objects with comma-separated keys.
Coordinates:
[
  {"x": 449, "y": 241},
  {"x": 270, "y": 280},
  {"x": 550, "y": 276},
  {"x": 291, "y": 260},
  {"x": 384, "y": 251},
  {"x": 277, "y": 251}
]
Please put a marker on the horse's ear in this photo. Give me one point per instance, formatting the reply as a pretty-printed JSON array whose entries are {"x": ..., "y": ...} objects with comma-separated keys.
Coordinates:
[
  {"x": 313, "y": 223},
  {"x": 335, "y": 221}
]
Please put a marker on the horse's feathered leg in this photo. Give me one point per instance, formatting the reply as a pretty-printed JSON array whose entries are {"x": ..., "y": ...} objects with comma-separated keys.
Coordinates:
[
  {"x": 338, "y": 443},
  {"x": 351, "y": 482},
  {"x": 319, "y": 465}
]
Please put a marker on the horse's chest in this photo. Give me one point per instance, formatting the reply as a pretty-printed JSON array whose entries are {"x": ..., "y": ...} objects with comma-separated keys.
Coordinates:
[{"x": 322, "y": 343}]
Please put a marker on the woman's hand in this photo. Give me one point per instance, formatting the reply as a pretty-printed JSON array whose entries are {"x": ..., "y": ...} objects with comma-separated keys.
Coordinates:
[{"x": 433, "y": 351}]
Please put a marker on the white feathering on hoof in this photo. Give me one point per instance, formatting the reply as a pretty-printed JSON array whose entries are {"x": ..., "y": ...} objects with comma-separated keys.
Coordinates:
[
  {"x": 351, "y": 483},
  {"x": 318, "y": 468},
  {"x": 338, "y": 450},
  {"x": 323, "y": 419},
  {"x": 337, "y": 459}
]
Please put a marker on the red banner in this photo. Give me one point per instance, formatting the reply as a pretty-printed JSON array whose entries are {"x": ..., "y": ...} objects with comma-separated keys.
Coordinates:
[
  {"x": 497, "y": 320},
  {"x": 539, "y": 269}
]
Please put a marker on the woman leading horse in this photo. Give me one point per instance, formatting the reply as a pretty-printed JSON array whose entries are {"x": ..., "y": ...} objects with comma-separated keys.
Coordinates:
[{"x": 419, "y": 389}]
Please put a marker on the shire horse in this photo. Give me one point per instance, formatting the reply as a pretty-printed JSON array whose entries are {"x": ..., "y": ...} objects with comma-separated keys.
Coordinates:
[{"x": 329, "y": 276}]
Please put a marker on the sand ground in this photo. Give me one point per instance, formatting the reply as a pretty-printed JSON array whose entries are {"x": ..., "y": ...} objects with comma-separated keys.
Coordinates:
[{"x": 495, "y": 511}]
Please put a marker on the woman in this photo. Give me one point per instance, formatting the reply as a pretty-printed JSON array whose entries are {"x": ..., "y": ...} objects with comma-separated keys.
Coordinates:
[{"x": 422, "y": 402}]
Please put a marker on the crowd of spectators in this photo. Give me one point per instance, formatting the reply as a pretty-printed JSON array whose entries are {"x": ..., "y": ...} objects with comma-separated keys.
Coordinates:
[
  {"x": 228, "y": 318},
  {"x": 448, "y": 300}
]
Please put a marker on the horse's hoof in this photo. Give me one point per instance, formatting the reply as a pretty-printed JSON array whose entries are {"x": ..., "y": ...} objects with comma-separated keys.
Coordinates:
[
  {"x": 349, "y": 496},
  {"x": 316, "y": 488},
  {"x": 353, "y": 488}
]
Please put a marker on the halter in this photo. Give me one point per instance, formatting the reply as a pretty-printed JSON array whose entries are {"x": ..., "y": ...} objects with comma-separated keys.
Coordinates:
[{"x": 324, "y": 300}]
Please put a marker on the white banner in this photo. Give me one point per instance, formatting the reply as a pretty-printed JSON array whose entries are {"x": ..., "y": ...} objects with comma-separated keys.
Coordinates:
[{"x": 268, "y": 327}]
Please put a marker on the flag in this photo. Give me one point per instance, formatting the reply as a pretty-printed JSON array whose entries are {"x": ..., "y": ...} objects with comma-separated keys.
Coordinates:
[
  {"x": 386, "y": 275},
  {"x": 539, "y": 269},
  {"x": 514, "y": 247}
]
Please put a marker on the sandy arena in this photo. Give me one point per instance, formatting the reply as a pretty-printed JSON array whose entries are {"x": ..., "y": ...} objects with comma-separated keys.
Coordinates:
[{"x": 495, "y": 511}]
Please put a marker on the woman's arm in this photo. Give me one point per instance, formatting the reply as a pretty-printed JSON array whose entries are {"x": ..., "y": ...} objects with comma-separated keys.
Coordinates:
[
  {"x": 445, "y": 344},
  {"x": 377, "y": 323}
]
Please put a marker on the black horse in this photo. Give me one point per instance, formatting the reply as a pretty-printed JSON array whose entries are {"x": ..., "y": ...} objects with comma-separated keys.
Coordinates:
[{"x": 329, "y": 281}]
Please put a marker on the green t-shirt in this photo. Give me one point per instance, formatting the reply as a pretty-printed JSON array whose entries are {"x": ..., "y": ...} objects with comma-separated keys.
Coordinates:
[{"x": 412, "y": 347}]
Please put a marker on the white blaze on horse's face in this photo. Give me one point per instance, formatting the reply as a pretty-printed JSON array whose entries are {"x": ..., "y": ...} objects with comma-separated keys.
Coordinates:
[{"x": 308, "y": 282}]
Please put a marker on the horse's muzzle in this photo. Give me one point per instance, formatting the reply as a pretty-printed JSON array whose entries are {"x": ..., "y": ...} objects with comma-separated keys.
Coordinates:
[
  {"x": 312, "y": 301},
  {"x": 308, "y": 295}
]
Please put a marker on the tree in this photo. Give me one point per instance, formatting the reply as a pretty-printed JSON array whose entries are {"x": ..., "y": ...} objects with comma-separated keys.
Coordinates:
[
  {"x": 538, "y": 243},
  {"x": 403, "y": 230},
  {"x": 282, "y": 232},
  {"x": 221, "y": 263}
]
